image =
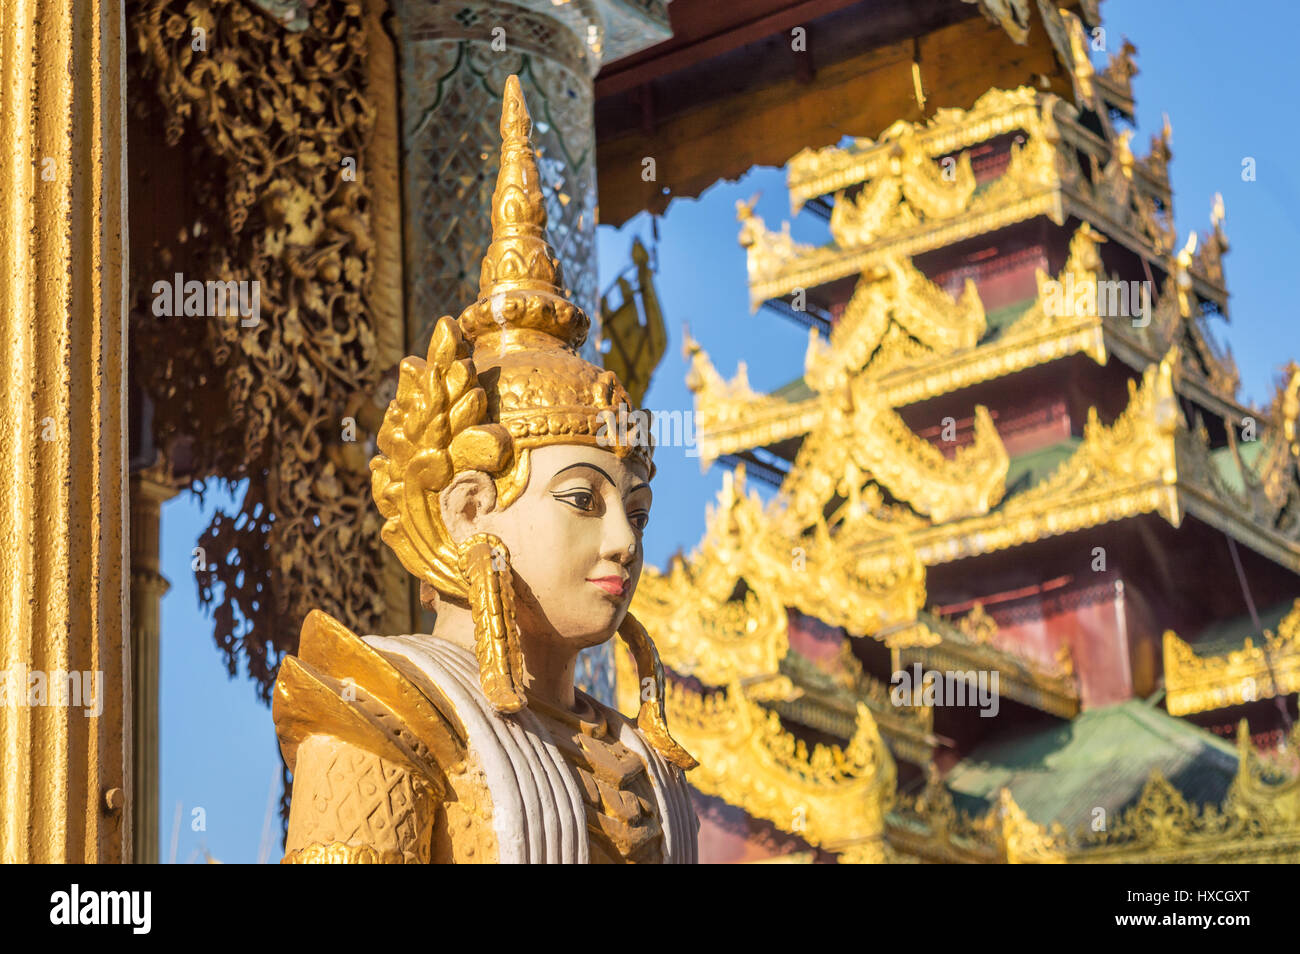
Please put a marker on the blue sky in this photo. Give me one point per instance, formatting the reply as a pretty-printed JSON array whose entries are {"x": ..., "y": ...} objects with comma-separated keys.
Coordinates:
[{"x": 1220, "y": 76}]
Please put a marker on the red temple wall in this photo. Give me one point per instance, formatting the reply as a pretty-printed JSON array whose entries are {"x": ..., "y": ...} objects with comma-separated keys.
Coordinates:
[
  {"x": 1091, "y": 618},
  {"x": 1001, "y": 279}
]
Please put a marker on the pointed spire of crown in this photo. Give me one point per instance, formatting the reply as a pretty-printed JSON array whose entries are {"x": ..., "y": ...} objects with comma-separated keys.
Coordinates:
[{"x": 521, "y": 284}]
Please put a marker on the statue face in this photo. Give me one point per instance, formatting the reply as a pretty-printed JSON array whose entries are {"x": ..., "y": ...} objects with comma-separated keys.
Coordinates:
[{"x": 574, "y": 537}]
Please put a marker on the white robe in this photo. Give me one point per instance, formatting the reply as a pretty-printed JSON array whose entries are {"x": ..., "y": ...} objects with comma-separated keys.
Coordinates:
[{"x": 537, "y": 807}]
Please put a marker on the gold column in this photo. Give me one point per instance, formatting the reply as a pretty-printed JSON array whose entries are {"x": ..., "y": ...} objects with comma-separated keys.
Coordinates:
[
  {"x": 64, "y": 790},
  {"x": 148, "y": 587},
  {"x": 383, "y": 169}
]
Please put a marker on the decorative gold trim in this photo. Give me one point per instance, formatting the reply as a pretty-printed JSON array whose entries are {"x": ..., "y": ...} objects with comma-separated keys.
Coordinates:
[
  {"x": 1259, "y": 821},
  {"x": 1196, "y": 683},
  {"x": 972, "y": 645},
  {"x": 337, "y": 853},
  {"x": 783, "y": 565},
  {"x": 897, "y": 298},
  {"x": 908, "y": 204},
  {"x": 732, "y": 417},
  {"x": 832, "y": 797}
]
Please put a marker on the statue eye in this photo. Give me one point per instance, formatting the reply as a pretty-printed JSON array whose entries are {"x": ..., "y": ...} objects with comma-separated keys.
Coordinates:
[
  {"x": 583, "y": 500},
  {"x": 639, "y": 519}
]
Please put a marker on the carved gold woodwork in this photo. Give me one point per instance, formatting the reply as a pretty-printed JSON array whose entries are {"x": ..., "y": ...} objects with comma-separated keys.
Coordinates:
[
  {"x": 703, "y": 633},
  {"x": 1117, "y": 77},
  {"x": 926, "y": 323},
  {"x": 1147, "y": 461},
  {"x": 726, "y": 404},
  {"x": 915, "y": 191},
  {"x": 833, "y": 797},
  {"x": 972, "y": 644},
  {"x": 1137, "y": 446},
  {"x": 733, "y": 417},
  {"x": 912, "y": 469},
  {"x": 1200, "y": 683},
  {"x": 765, "y": 548},
  {"x": 931, "y": 351},
  {"x": 767, "y": 251},
  {"x": 269, "y": 118},
  {"x": 812, "y": 173},
  {"x": 908, "y": 203}
]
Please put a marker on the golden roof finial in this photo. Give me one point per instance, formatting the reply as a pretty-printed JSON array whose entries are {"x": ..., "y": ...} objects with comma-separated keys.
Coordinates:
[{"x": 521, "y": 284}]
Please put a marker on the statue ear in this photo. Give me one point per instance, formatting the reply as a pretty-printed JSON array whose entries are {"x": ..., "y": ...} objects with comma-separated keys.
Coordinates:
[{"x": 465, "y": 501}]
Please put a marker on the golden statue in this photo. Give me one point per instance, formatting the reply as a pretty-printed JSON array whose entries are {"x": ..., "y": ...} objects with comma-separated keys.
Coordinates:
[{"x": 513, "y": 492}]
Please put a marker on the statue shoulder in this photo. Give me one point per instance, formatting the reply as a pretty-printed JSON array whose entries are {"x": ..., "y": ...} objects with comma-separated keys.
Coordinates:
[
  {"x": 382, "y": 768},
  {"x": 338, "y": 685}
]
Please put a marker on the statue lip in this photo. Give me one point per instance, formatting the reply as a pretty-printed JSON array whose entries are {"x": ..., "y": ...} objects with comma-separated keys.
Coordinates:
[{"x": 613, "y": 585}]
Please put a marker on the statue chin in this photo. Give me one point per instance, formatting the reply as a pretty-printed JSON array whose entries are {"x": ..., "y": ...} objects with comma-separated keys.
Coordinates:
[{"x": 578, "y": 619}]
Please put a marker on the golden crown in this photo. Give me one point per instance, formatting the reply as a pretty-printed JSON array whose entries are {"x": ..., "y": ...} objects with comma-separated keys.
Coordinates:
[{"x": 505, "y": 377}]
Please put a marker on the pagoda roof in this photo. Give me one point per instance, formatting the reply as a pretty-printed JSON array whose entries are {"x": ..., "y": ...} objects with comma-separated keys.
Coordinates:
[
  {"x": 1151, "y": 459},
  {"x": 916, "y": 342},
  {"x": 1102, "y": 759},
  {"x": 895, "y": 199},
  {"x": 1234, "y": 662}
]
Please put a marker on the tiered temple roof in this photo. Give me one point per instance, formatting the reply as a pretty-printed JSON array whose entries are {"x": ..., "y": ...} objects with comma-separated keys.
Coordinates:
[{"x": 923, "y": 516}]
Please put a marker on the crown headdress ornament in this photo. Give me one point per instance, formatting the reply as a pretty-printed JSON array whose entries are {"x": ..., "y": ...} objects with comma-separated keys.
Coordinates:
[{"x": 503, "y": 378}]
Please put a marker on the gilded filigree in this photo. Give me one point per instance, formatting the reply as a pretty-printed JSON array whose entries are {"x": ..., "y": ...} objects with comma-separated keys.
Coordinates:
[
  {"x": 895, "y": 318},
  {"x": 271, "y": 119},
  {"x": 722, "y": 404},
  {"x": 807, "y": 569},
  {"x": 888, "y": 202},
  {"x": 1137, "y": 447},
  {"x": 1199, "y": 683},
  {"x": 706, "y": 634},
  {"x": 915, "y": 189},
  {"x": 812, "y": 173},
  {"x": 766, "y": 251},
  {"x": 971, "y": 482},
  {"x": 1119, "y": 73},
  {"x": 834, "y": 797}
]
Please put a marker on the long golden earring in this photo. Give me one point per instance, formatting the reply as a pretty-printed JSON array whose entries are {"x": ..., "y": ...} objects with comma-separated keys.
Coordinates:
[
  {"x": 485, "y": 563},
  {"x": 652, "y": 720}
]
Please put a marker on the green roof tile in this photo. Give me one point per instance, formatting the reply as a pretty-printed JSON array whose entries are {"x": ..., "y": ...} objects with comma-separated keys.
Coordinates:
[
  {"x": 1102, "y": 759},
  {"x": 1229, "y": 634},
  {"x": 1026, "y": 470}
]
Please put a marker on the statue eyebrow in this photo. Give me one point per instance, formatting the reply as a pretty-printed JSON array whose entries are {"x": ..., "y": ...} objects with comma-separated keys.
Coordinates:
[
  {"x": 583, "y": 463},
  {"x": 612, "y": 482}
]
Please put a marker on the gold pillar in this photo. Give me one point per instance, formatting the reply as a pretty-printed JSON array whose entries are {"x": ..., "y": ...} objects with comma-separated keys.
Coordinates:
[
  {"x": 148, "y": 587},
  {"x": 65, "y": 794},
  {"x": 383, "y": 168}
]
